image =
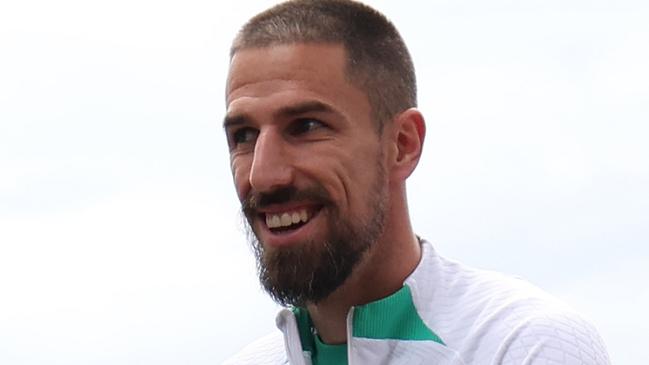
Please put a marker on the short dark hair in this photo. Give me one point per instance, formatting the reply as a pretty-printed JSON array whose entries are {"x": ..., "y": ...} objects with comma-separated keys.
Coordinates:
[{"x": 378, "y": 61}]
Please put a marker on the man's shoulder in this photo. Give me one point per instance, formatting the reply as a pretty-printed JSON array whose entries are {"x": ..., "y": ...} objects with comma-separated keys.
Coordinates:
[
  {"x": 484, "y": 314},
  {"x": 268, "y": 350},
  {"x": 452, "y": 287},
  {"x": 555, "y": 335}
]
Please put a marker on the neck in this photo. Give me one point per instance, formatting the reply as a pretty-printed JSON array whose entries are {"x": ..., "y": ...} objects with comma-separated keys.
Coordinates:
[{"x": 381, "y": 272}]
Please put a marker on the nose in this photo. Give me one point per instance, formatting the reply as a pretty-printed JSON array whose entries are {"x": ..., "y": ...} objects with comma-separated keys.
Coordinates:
[{"x": 271, "y": 165}]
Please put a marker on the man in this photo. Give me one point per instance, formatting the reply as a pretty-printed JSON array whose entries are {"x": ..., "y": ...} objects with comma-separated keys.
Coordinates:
[{"x": 323, "y": 132}]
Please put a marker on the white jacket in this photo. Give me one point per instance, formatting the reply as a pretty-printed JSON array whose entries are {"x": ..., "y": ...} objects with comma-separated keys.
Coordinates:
[{"x": 447, "y": 313}]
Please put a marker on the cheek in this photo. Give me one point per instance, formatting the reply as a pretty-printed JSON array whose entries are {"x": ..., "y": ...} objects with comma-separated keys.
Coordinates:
[
  {"x": 352, "y": 177},
  {"x": 240, "y": 175},
  {"x": 364, "y": 172}
]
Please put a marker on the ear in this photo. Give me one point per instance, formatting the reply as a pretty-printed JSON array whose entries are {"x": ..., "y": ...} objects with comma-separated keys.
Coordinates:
[{"x": 409, "y": 131}]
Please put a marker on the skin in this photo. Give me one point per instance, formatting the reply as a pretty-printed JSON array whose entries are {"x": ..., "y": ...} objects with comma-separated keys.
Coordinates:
[{"x": 293, "y": 119}]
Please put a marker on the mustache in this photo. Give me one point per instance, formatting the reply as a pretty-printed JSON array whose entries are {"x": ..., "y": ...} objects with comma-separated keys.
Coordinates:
[{"x": 258, "y": 200}]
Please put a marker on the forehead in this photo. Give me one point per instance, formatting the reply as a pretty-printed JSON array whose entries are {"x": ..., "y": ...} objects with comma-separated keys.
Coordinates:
[
  {"x": 284, "y": 73},
  {"x": 296, "y": 61}
]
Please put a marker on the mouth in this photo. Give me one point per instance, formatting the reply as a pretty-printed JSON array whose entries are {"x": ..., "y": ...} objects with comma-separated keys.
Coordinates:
[{"x": 285, "y": 222}]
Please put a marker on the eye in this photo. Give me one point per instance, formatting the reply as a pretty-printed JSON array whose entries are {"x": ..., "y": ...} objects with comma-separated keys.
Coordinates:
[
  {"x": 243, "y": 135},
  {"x": 305, "y": 125}
]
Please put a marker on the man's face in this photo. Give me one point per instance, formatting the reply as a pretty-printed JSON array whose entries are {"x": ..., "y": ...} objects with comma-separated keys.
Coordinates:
[{"x": 307, "y": 164}]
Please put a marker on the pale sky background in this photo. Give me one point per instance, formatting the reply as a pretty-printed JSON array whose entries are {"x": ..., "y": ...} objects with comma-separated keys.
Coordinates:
[{"x": 120, "y": 237}]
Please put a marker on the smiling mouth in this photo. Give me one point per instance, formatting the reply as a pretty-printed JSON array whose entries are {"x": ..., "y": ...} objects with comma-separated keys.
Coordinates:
[{"x": 289, "y": 220}]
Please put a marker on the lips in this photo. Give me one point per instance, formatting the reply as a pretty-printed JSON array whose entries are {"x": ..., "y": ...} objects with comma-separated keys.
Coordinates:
[
  {"x": 284, "y": 226},
  {"x": 287, "y": 215},
  {"x": 287, "y": 219}
]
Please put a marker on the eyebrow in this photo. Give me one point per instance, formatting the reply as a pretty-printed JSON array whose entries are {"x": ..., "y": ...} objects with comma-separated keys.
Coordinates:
[
  {"x": 231, "y": 121},
  {"x": 305, "y": 107},
  {"x": 311, "y": 106}
]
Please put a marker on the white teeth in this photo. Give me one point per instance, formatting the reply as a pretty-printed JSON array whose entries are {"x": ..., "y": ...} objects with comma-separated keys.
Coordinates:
[
  {"x": 273, "y": 221},
  {"x": 286, "y": 219}
]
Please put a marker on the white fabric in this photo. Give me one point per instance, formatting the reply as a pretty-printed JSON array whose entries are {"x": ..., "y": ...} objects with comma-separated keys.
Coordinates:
[{"x": 482, "y": 317}]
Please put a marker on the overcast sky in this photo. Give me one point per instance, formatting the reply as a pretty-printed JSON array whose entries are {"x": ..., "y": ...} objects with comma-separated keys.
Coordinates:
[{"x": 120, "y": 237}]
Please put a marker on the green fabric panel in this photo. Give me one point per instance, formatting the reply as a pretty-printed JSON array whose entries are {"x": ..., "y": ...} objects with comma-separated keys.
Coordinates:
[
  {"x": 321, "y": 353},
  {"x": 393, "y": 317},
  {"x": 304, "y": 326},
  {"x": 329, "y": 354}
]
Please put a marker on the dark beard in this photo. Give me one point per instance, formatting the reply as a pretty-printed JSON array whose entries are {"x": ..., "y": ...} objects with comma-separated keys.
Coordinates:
[{"x": 308, "y": 272}]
